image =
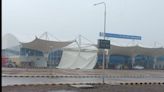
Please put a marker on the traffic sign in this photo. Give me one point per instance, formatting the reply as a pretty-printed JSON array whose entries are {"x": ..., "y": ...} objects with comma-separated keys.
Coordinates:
[
  {"x": 103, "y": 44},
  {"x": 120, "y": 36}
]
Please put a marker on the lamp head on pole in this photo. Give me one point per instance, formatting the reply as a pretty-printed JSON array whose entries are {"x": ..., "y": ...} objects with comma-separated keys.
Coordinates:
[{"x": 99, "y": 3}]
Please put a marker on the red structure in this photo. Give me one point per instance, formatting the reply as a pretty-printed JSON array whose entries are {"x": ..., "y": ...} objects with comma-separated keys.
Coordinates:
[{"x": 4, "y": 60}]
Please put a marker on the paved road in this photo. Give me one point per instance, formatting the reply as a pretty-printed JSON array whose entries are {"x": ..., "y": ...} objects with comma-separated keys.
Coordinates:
[
  {"x": 48, "y": 80},
  {"x": 114, "y": 76}
]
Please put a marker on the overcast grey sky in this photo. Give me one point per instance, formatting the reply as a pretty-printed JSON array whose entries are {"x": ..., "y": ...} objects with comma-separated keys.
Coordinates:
[{"x": 66, "y": 19}]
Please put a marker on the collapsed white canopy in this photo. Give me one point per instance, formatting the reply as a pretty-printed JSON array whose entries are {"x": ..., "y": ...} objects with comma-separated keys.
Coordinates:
[{"x": 75, "y": 59}]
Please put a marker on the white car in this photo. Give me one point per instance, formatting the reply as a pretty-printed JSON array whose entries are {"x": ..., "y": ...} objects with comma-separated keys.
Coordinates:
[{"x": 138, "y": 67}]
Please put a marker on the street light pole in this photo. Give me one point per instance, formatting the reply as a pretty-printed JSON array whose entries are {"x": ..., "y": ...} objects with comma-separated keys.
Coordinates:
[
  {"x": 104, "y": 36},
  {"x": 51, "y": 56}
]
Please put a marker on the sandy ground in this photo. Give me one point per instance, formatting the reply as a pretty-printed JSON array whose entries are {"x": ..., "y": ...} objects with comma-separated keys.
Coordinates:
[{"x": 97, "y": 88}]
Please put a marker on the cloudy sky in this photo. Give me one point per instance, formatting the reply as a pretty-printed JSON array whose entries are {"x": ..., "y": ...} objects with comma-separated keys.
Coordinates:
[{"x": 66, "y": 19}]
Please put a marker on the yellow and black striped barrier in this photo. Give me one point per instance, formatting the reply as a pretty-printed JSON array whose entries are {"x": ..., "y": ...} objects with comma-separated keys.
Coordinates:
[
  {"x": 143, "y": 83},
  {"x": 53, "y": 84}
]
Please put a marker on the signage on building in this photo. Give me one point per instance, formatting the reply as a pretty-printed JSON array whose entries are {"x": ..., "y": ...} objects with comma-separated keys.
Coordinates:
[
  {"x": 121, "y": 36},
  {"x": 103, "y": 44}
]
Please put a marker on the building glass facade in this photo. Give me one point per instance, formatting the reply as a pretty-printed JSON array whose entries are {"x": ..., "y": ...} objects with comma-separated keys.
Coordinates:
[
  {"x": 30, "y": 52},
  {"x": 125, "y": 62},
  {"x": 114, "y": 61},
  {"x": 54, "y": 58}
]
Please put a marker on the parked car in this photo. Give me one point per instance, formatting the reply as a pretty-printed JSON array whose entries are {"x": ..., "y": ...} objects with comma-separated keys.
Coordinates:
[
  {"x": 138, "y": 67},
  {"x": 10, "y": 64}
]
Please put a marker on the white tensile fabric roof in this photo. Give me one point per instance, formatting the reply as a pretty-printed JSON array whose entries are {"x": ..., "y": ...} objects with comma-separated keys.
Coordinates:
[
  {"x": 136, "y": 50},
  {"x": 9, "y": 41},
  {"x": 45, "y": 45}
]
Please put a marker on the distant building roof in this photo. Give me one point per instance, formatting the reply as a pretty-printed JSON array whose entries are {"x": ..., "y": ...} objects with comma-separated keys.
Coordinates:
[
  {"x": 9, "y": 41},
  {"x": 45, "y": 45}
]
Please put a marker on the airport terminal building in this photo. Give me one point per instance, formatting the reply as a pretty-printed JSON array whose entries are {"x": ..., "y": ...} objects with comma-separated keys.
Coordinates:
[{"x": 60, "y": 54}]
